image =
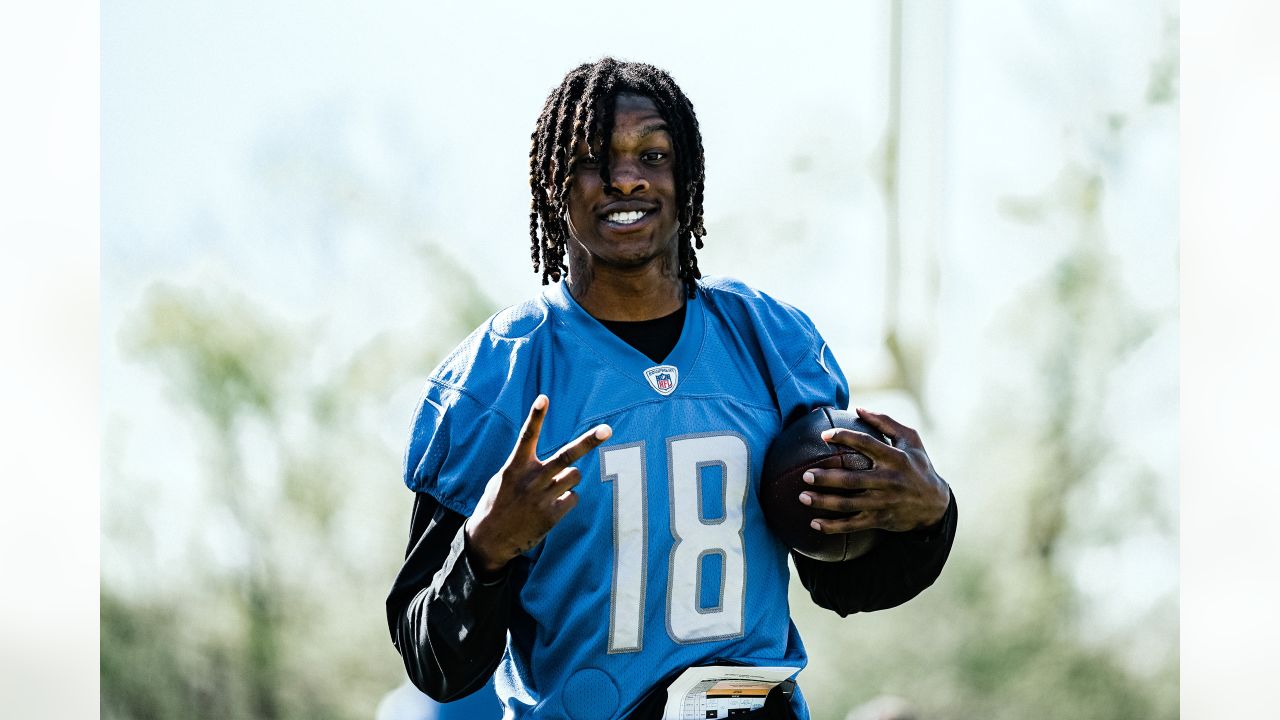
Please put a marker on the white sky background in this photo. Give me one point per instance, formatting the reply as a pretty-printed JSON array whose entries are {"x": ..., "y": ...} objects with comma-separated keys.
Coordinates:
[
  {"x": 191, "y": 93},
  {"x": 48, "y": 55}
]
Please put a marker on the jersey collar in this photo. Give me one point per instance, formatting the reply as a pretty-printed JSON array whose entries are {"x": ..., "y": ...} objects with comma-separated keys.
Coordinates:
[{"x": 613, "y": 350}]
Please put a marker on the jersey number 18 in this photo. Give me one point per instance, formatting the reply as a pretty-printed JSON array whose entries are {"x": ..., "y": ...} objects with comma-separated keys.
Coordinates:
[{"x": 694, "y": 537}]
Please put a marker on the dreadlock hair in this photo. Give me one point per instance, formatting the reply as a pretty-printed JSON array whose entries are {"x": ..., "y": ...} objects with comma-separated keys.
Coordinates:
[{"x": 581, "y": 110}]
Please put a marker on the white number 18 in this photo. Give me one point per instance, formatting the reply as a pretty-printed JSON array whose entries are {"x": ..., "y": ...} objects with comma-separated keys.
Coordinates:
[{"x": 693, "y": 537}]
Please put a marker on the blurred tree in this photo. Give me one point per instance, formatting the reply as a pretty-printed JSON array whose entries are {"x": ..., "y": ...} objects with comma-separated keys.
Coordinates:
[
  {"x": 267, "y": 635},
  {"x": 273, "y": 609},
  {"x": 1006, "y": 634}
]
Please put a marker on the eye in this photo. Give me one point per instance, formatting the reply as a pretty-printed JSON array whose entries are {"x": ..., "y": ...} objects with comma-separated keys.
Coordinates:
[
  {"x": 655, "y": 156},
  {"x": 589, "y": 162}
]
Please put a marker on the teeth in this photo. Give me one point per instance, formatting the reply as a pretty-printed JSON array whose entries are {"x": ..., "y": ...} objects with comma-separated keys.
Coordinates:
[{"x": 625, "y": 218}]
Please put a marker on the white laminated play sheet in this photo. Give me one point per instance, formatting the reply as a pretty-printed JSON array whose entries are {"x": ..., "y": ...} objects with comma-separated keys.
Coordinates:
[{"x": 703, "y": 693}]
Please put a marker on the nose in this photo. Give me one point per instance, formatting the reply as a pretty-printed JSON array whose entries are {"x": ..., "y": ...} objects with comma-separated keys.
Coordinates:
[{"x": 626, "y": 178}]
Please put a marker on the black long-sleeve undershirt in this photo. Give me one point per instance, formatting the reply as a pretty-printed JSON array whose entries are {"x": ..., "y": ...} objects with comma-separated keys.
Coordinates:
[{"x": 450, "y": 626}]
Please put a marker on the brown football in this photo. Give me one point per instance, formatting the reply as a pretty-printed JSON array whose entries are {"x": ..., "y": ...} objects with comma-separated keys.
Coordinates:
[{"x": 800, "y": 447}]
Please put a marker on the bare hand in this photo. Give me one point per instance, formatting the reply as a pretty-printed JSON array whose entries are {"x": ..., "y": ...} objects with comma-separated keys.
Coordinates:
[
  {"x": 900, "y": 492},
  {"x": 527, "y": 497}
]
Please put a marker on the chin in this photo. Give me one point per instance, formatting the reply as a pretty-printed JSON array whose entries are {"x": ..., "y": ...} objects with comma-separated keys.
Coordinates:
[
  {"x": 627, "y": 254},
  {"x": 639, "y": 259}
]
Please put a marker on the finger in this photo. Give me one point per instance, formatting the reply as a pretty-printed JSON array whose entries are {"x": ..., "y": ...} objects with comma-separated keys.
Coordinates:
[
  {"x": 847, "y": 504},
  {"x": 875, "y": 449},
  {"x": 853, "y": 523},
  {"x": 839, "y": 479},
  {"x": 563, "y": 504},
  {"x": 565, "y": 480},
  {"x": 527, "y": 445},
  {"x": 576, "y": 449},
  {"x": 901, "y": 435}
]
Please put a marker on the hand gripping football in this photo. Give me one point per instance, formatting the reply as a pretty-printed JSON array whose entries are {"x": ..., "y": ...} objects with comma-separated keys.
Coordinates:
[{"x": 800, "y": 447}]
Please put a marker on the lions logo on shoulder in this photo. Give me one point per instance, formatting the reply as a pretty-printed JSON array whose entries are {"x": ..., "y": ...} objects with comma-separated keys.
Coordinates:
[
  {"x": 822, "y": 358},
  {"x": 663, "y": 378}
]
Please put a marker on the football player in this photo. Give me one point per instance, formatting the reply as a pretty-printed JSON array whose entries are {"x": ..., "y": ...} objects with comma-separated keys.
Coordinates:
[{"x": 585, "y": 464}]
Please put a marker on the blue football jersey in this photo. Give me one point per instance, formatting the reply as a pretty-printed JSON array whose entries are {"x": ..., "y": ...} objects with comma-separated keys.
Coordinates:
[{"x": 666, "y": 561}]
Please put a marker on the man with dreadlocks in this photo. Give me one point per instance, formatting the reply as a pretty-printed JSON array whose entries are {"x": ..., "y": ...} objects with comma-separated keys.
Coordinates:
[{"x": 637, "y": 548}]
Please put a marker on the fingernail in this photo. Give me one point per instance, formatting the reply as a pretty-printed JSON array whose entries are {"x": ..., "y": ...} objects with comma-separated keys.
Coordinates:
[
  {"x": 603, "y": 432},
  {"x": 808, "y": 477},
  {"x": 540, "y": 402},
  {"x": 806, "y": 498},
  {"x": 815, "y": 525},
  {"x": 861, "y": 410},
  {"x": 827, "y": 434}
]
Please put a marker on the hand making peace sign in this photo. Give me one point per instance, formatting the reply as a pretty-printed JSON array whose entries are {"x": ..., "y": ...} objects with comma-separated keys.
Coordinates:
[{"x": 528, "y": 496}]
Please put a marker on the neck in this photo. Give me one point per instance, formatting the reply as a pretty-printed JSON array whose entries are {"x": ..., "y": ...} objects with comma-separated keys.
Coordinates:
[{"x": 609, "y": 294}]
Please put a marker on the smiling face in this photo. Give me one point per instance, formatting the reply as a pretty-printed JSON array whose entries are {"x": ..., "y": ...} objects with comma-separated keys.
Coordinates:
[{"x": 630, "y": 224}]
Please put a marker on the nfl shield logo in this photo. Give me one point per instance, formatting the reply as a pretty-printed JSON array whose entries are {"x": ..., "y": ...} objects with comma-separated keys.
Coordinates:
[{"x": 663, "y": 378}]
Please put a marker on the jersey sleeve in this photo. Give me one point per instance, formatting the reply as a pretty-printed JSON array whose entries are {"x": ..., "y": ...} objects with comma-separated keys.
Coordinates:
[
  {"x": 457, "y": 443},
  {"x": 814, "y": 378},
  {"x": 474, "y": 403},
  {"x": 803, "y": 371},
  {"x": 448, "y": 623}
]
